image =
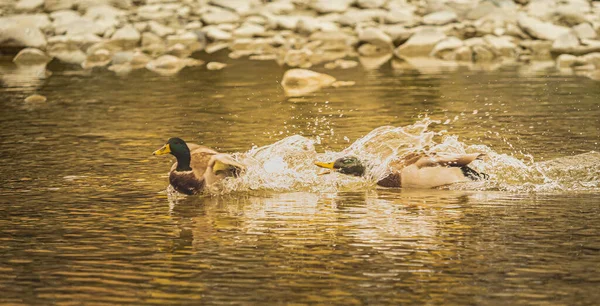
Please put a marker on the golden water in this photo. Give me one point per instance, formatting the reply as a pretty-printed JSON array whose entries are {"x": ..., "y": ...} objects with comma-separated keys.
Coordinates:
[{"x": 85, "y": 214}]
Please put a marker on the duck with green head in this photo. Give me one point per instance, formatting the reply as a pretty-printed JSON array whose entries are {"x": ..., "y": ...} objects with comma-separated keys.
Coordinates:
[
  {"x": 197, "y": 167},
  {"x": 416, "y": 170}
]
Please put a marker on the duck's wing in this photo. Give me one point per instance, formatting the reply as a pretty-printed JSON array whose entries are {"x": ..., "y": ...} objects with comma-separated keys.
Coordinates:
[
  {"x": 447, "y": 160},
  {"x": 221, "y": 166},
  {"x": 199, "y": 162},
  {"x": 225, "y": 164}
]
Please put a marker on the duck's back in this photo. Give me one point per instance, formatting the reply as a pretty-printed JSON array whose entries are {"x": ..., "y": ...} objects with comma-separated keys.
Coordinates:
[{"x": 430, "y": 177}]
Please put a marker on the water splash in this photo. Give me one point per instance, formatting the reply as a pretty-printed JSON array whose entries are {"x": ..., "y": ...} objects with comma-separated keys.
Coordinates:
[{"x": 288, "y": 165}]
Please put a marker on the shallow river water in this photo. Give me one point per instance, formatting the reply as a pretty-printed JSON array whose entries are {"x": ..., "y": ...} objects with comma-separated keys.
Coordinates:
[{"x": 85, "y": 215}]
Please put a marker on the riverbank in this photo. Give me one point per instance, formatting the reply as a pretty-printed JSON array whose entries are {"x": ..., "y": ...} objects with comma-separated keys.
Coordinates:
[{"x": 166, "y": 36}]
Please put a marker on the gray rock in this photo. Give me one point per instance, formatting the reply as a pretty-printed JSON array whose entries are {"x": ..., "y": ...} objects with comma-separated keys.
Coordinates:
[
  {"x": 127, "y": 37},
  {"x": 502, "y": 46},
  {"x": 20, "y": 33},
  {"x": 565, "y": 61},
  {"x": 571, "y": 13},
  {"x": 445, "y": 48},
  {"x": 98, "y": 58},
  {"x": 299, "y": 82},
  {"x": 126, "y": 57},
  {"x": 402, "y": 16},
  {"x": 440, "y": 18},
  {"x": 249, "y": 30},
  {"x": 377, "y": 37},
  {"x": 28, "y": 5},
  {"x": 371, "y": 3},
  {"x": 482, "y": 9},
  {"x": 331, "y": 6},
  {"x": 80, "y": 26},
  {"x": 421, "y": 43},
  {"x": 68, "y": 54},
  {"x": 40, "y": 21},
  {"x": 188, "y": 40},
  {"x": 591, "y": 58},
  {"x": 31, "y": 56},
  {"x": 77, "y": 41},
  {"x": 539, "y": 29},
  {"x": 157, "y": 12},
  {"x": 56, "y": 5},
  {"x": 585, "y": 31},
  {"x": 371, "y": 50},
  {"x": 241, "y": 7},
  {"x": 62, "y": 17},
  {"x": 160, "y": 29},
  {"x": 153, "y": 44},
  {"x": 216, "y": 46},
  {"x": 279, "y": 7},
  {"x": 215, "y": 15},
  {"x": 105, "y": 15},
  {"x": 398, "y": 33},
  {"x": 566, "y": 43},
  {"x": 215, "y": 34},
  {"x": 538, "y": 49},
  {"x": 462, "y": 54},
  {"x": 298, "y": 58},
  {"x": 352, "y": 17},
  {"x": 482, "y": 53},
  {"x": 194, "y": 25}
]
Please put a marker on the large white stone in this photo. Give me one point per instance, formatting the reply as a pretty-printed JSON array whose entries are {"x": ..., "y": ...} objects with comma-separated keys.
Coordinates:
[{"x": 21, "y": 32}]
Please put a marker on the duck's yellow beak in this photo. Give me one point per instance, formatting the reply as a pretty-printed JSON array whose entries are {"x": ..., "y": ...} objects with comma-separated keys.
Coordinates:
[
  {"x": 166, "y": 149},
  {"x": 325, "y": 165}
]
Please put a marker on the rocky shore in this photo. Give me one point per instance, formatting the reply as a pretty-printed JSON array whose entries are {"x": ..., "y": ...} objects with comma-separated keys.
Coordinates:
[{"x": 162, "y": 35}]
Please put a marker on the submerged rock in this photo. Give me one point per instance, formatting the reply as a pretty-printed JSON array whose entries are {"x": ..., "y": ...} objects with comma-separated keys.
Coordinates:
[
  {"x": 35, "y": 99},
  {"x": 32, "y": 56},
  {"x": 299, "y": 82},
  {"x": 215, "y": 66},
  {"x": 342, "y": 64}
]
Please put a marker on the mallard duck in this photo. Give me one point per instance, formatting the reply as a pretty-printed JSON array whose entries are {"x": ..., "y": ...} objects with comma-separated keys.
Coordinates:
[
  {"x": 416, "y": 170},
  {"x": 197, "y": 166}
]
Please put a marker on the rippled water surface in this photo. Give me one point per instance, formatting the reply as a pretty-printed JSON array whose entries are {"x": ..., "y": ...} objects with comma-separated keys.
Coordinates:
[{"x": 85, "y": 215}]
